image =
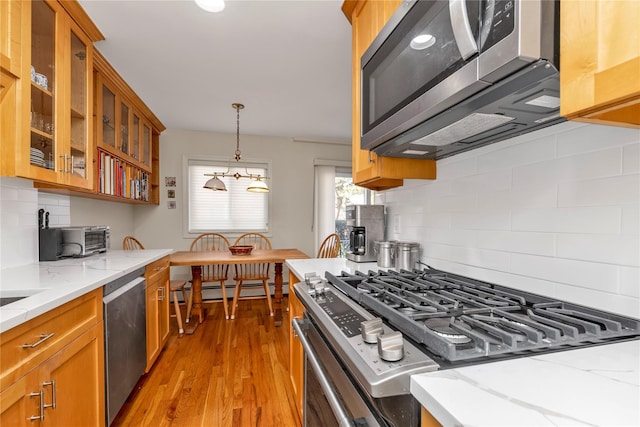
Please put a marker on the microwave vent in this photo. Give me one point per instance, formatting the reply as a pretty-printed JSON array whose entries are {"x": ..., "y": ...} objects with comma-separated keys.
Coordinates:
[{"x": 464, "y": 128}]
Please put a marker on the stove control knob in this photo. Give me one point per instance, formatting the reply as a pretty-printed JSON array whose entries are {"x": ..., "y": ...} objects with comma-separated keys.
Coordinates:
[
  {"x": 391, "y": 347},
  {"x": 371, "y": 330}
]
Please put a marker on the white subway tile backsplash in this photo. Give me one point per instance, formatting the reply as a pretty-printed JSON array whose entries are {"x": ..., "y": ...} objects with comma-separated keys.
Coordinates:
[
  {"x": 450, "y": 236},
  {"x": 622, "y": 250},
  {"x": 518, "y": 242},
  {"x": 630, "y": 281},
  {"x": 468, "y": 256},
  {"x": 630, "y": 220},
  {"x": 594, "y": 138},
  {"x": 485, "y": 220},
  {"x": 58, "y": 206},
  {"x": 604, "y": 163},
  {"x": 620, "y": 190},
  {"x": 457, "y": 169},
  {"x": 606, "y": 301},
  {"x": 18, "y": 222},
  {"x": 631, "y": 159},
  {"x": 554, "y": 212},
  {"x": 520, "y": 154},
  {"x": 602, "y": 220},
  {"x": 571, "y": 272},
  {"x": 461, "y": 203}
]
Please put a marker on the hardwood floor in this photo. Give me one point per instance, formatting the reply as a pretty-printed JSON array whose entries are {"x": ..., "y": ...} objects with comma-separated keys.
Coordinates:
[{"x": 228, "y": 373}]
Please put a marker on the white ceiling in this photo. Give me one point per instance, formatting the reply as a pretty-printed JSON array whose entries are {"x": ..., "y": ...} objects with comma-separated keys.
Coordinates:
[{"x": 288, "y": 62}]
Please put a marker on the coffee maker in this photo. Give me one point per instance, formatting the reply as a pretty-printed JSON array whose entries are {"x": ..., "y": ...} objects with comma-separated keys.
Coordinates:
[{"x": 365, "y": 224}]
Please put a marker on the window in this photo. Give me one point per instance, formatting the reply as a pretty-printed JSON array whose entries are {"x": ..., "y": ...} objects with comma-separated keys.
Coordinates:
[
  {"x": 234, "y": 210},
  {"x": 334, "y": 189}
]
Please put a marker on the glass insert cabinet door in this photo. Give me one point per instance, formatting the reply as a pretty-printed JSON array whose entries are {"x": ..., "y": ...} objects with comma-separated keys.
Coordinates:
[
  {"x": 79, "y": 109},
  {"x": 42, "y": 150}
]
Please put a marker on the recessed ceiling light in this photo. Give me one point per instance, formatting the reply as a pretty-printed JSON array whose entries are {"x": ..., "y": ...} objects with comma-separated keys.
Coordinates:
[
  {"x": 422, "y": 41},
  {"x": 211, "y": 5}
]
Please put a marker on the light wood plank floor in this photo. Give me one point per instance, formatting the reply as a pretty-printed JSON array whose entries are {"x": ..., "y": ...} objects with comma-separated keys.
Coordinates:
[{"x": 228, "y": 373}]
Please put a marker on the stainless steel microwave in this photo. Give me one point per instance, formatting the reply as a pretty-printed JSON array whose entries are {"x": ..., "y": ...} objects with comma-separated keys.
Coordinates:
[
  {"x": 444, "y": 77},
  {"x": 85, "y": 240}
]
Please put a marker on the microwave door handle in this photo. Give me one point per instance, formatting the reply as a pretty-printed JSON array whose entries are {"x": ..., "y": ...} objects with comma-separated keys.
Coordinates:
[
  {"x": 462, "y": 28},
  {"x": 332, "y": 397}
]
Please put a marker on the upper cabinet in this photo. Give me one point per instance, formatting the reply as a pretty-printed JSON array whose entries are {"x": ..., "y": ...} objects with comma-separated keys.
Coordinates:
[
  {"x": 52, "y": 118},
  {"x": 369, "y": 170},
  {"x": 66, "y": 112},
  {"x": 127, "y": 137},
  {"x": 600, "y": 61}
]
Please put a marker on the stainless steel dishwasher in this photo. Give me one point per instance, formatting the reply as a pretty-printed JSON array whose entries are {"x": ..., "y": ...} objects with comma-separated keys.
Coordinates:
[{"x": 125, "y": 339}]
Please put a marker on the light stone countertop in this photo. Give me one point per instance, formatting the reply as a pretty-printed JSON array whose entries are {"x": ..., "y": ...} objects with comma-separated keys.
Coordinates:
[
  {"x": 594, "y": 386},
  {"x": 50, "y": 284}
]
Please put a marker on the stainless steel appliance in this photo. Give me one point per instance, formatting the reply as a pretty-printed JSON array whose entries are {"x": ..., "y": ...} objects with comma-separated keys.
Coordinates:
[
  {"x": 85, "y": 240},
  {"x": 125, "y": 339},
  {"x": 444, "y": 77},
  {"x": 365, "y": 224},
  {"x": 383, "y": 326}
]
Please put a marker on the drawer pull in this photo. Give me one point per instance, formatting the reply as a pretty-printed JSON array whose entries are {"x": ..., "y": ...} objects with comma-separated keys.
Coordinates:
[
  {"x": 41, "y": 395},
  {"x": 43, "y": 338}
]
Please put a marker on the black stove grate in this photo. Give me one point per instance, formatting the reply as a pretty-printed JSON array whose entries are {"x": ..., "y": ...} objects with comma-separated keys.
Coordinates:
[{"x": 459, "y": 318}]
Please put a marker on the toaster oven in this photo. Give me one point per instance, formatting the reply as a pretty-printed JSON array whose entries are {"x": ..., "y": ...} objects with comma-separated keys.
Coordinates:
[{"x": 85, "y": 240}]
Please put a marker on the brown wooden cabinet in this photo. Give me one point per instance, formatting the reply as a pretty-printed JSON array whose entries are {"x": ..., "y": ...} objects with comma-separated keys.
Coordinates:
[
  {"x": 369, "y": 170},
  {"x": 157, "y": 291},
  {"x": 600, "y": 61},
  {"x": 296, "y": 353},
  {"x": 127, "y": 138},
  {"x": 61, "y": 343},
  {"x": 51, "y": 123}
]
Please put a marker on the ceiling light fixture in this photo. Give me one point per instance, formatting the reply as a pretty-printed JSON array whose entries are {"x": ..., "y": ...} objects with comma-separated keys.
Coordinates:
[
  {"x": 257, "y": 184},
  {"x": 211, "y": 5}
]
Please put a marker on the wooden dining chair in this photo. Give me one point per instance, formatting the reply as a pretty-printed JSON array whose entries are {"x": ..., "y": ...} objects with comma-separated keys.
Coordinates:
[
  {"x": 130, "y": 243},
  {"x": 330, "y": 247},
  {"x": 252, "y": 272},
  {"x": 213, "y": 273}
]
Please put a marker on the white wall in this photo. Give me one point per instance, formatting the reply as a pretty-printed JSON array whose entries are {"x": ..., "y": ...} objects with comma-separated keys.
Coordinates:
[
  {"x": 291, "y": 185},
  {"x": 554, "y": 212},
  {"x": 119, "y": 216}
]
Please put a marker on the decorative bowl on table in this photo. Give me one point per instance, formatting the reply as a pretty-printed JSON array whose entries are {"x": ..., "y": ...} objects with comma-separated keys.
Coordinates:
[{"x": 241, "y": 249}]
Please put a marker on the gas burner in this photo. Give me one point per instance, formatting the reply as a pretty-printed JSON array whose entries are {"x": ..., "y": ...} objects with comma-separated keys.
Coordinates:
[
  {"x": 442, "y": 327},
  {"x": 407, "y": 310}
]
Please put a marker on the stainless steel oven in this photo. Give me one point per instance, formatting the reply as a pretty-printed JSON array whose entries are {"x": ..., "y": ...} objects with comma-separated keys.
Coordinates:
[
  {"x": 330, "y": 396},
  {"x": 366, "y": 333}
]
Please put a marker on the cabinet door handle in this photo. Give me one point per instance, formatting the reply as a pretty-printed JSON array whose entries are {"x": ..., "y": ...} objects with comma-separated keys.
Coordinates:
[
  {"x": 52, "y": 383},
  {"x": 41, "y": 395},
  {"x": 43, "y": 338}
]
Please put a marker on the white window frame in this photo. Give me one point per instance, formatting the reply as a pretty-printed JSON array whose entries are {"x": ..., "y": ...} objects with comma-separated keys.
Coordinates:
[{"x": 220, "y": 164}]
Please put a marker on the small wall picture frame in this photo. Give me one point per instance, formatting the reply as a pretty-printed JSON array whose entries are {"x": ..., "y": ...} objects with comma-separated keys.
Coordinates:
[
  {"x": 171, "y": 194},
  {"x": 171, "y": 204},
  {"x": 170, "y": 181}
]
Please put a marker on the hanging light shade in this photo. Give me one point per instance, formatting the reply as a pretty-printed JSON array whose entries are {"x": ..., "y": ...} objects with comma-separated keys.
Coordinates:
[
  {"x": 258, "y": 186},
  {"x": 215, "y": 184}
]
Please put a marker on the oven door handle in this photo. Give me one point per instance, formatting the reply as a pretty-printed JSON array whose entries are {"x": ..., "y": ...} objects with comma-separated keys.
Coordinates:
[{"x": 333, "y": 399}]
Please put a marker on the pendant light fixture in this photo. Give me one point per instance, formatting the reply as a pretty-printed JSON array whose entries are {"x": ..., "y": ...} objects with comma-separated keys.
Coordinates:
[{"x": 257, "y": 184}]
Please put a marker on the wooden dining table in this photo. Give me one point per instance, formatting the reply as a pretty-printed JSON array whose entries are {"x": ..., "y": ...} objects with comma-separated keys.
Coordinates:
[{"x": 197, "y": 259}]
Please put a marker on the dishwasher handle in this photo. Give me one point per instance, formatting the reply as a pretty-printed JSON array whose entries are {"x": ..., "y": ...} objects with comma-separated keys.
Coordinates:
[{"x": 333, "y": 399}]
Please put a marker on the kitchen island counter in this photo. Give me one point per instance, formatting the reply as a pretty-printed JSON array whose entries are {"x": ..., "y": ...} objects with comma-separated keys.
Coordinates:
[
  {"x": 597, "y": 385},
  {"x": 47, "y": 285}
]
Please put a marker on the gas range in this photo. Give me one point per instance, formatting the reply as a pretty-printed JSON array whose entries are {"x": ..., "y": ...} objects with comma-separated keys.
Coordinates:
[{"x": 388, "y": 325}]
